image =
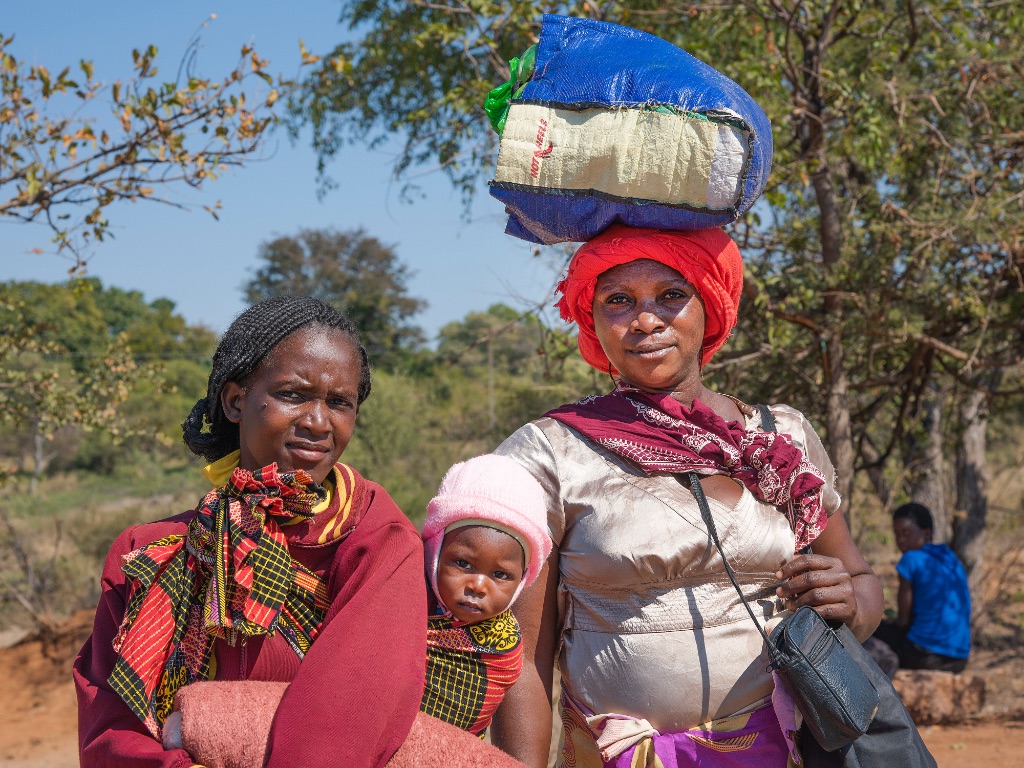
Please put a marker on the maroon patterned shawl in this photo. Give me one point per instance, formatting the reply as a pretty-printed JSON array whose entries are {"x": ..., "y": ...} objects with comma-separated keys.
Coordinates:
[{"x": 658, "y": 434}]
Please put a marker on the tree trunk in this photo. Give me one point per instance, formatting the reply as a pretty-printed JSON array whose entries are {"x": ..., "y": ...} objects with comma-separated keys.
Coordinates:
[
  {"x": 837, "y": 414},
  {"x": 972, "y": 481},
  {"x": 876, "y": 474},
  {"x": 928, "y": 465},
  {"x": 39, "y": 460},
  {"x": 837, "y": 422}
]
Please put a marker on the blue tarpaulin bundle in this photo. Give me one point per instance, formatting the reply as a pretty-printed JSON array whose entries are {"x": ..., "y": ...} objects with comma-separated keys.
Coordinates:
[{"x": 618, "y": 125}]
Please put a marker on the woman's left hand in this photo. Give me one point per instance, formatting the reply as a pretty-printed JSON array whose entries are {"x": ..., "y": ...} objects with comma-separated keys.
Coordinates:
[
  {"x": 821, "y": 582},
  {"x": 836, "y": 581}
]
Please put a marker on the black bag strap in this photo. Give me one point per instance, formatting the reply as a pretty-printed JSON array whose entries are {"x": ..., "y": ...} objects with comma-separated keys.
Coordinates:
[
  {"x": 767, "y": 419},
  {"x": 768, "y": 424},
  {"x": 709, "y": 521}
]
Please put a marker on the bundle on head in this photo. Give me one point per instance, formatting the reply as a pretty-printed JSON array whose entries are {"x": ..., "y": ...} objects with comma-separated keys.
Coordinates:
[{"x": 616, "y": 125}]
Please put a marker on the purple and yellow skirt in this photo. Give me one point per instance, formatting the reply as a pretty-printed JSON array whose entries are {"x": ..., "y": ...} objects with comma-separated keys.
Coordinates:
[{"x": 748, "y": 740}]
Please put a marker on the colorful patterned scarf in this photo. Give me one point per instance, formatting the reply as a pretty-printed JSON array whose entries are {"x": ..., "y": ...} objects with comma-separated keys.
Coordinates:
[
  {"x": 657, "y": 433},
  {"x": 230, "y": 575},
  {"x": 469, "y": 669}
]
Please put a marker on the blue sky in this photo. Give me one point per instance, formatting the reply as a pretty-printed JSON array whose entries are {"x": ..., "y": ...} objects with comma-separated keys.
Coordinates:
[{"x": 199, "y": 263}]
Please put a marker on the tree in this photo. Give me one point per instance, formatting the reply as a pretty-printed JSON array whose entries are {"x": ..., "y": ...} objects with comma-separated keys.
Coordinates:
[
  {"x": 352, "y": 271},
  {"x": 64, "y": 165},
  {"x": 44, "y": 395},
  {"x": 94, "y": 379},
  {"x": 175, "y": 358},
  {"x": 417, "y": 70},
  {"x": 153, "y": 330},
  {"x": 497, "y": 344},
  {"x": 495, "y": 338},
  {"x": 41, "y": 391},
  {"x": 71, "y": 147},
  {"x": 82, "y": 361},
  {"x": 884, "y": 262}
]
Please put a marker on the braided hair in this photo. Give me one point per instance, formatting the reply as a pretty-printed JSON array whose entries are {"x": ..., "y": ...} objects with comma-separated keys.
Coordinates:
[{"x": 242, "y": 350}]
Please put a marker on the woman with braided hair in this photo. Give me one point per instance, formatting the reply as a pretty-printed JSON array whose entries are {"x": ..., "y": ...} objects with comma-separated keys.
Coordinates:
[{"x": 292, "y": 569}]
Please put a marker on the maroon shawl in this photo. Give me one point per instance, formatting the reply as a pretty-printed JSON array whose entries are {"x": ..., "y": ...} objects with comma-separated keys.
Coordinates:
[{"x": 658, "y": 434}]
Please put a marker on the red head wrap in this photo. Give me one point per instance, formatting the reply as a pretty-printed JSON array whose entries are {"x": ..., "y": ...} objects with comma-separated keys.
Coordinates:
[{"x": 708, "y": 258}]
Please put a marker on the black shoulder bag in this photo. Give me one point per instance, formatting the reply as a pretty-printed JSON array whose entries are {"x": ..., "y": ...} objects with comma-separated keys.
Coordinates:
[{"x": 853, "y": 717}]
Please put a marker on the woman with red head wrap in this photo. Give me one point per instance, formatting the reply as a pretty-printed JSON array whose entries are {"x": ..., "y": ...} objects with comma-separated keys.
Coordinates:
[
  {"x": 659, "y": 660},
  {"x": 707, "y": 258}
]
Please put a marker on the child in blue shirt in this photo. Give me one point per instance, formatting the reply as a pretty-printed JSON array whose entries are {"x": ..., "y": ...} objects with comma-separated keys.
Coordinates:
[{"x": 932, "y": 629}]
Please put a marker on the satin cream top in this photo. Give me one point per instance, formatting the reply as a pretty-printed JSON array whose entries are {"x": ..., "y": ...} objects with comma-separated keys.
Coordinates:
[{"x": 650, "y": 625}]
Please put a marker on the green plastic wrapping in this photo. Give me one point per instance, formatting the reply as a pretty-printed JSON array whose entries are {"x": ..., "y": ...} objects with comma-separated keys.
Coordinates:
[{"x": 499, "y": 100}]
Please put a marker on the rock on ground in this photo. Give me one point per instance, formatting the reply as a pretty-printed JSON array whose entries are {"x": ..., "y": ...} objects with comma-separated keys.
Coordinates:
[{"x": 934, "y": 698}]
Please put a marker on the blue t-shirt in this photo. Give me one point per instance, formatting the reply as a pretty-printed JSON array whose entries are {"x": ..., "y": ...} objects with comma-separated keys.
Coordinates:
[{"x": 942, "y": 601}]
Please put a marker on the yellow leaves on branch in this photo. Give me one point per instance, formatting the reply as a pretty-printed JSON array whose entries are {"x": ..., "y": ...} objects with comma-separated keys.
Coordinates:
[
  {"x": 42, "y": 74},
  {"x": 258, "y": 65},
  {"x": 82, "y": 134},
  {"x": 71, "y": 168},
  {"x": 307, "y": 56}
]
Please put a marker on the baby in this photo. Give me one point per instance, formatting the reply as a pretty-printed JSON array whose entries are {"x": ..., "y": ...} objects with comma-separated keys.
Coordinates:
[{"x": 485, "y": 540}]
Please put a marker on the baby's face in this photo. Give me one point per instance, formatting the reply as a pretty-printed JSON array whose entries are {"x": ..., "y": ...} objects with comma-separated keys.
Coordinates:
[{"x": 478, "y": 572}]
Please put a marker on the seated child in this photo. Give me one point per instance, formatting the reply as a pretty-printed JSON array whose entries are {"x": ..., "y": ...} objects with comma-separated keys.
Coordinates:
[
  {"x": 485, "y": 540},
  {"x": 932, "y": 629}
]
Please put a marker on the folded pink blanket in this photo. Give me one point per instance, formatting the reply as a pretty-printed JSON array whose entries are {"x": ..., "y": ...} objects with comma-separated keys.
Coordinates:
[{"x": 226, "y": 725}]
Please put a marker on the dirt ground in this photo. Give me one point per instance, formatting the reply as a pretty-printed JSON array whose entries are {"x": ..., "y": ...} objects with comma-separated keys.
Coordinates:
[{"x": 38, "y": 712}]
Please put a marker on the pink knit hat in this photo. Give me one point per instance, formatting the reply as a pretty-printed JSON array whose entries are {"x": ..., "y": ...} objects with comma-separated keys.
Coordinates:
[{"x": 497, "y": 492}]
